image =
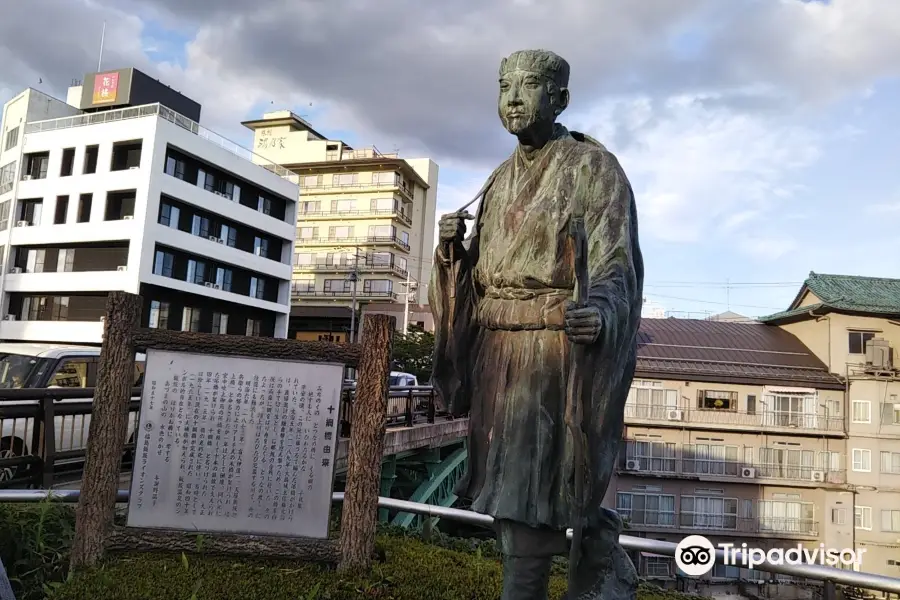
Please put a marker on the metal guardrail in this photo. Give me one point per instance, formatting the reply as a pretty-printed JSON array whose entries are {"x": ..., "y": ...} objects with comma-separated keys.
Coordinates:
[
  {"x": 43, "y": 431},
  {"x": 828, "y": 575}
]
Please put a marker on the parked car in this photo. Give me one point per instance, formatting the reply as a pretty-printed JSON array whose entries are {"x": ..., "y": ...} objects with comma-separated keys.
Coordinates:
[{"x": 27, "y": 365}]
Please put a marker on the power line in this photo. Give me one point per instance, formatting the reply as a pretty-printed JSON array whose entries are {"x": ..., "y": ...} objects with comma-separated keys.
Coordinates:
[{"x": 714, "y": 302}]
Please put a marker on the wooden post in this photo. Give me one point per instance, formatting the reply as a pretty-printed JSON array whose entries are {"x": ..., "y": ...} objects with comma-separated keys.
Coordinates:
[
  {"x": 106, "y": 434},
  {"x": 360, "y": 510}
]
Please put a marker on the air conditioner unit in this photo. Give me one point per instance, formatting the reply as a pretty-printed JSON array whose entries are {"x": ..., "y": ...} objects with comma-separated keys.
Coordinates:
[
  {"x": 103, "y": 319},
  {"x": 212, "y": 238},
  {"x": 26, "y": 178},
  {"x": 122, "y": 268},
  {"x": 22, "y": 223},
  {"x": 209, "y": 284},
  {"x": 15, "y": 270},
  {"x": 128, "y": 218},
  {"x": 675, "y": 415},
  {"x": 748, "y": 472},
  {"x": 818, "y": 476},
  {"x": 216, "y": 286},
  {"x": 879, "y": 355},
  {"x": 632, "y": 465},
  {"x": 220, "y": 240},
  {"x": 9, "y": 318}
]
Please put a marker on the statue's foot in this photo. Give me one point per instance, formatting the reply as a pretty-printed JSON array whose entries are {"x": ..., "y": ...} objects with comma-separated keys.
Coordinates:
[
  {"x": 526, "y": 577},
  {"x": 605, "y": 572}
]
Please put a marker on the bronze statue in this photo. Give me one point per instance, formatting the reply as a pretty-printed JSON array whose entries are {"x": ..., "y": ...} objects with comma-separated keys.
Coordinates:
[{"x": 543, "y": 368}]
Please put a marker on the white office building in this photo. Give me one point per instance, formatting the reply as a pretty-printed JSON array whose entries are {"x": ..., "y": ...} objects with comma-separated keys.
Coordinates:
[{"x": 121, "y": 189}]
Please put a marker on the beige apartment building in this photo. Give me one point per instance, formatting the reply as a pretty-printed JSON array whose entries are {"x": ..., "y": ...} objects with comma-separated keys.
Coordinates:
[
  {"x": 774, "y": 434},
  {"x": 361, "y": 212}
]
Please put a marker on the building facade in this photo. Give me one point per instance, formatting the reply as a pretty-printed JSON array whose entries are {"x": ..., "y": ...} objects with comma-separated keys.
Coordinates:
[
  {"x": 853, "y": 325},
  {"x": 366, "y": 219},
  {"x": 140, "y": 199}
]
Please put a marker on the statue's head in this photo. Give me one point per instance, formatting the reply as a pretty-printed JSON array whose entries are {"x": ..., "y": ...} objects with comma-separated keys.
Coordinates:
[{"x": 533, "y": 89}]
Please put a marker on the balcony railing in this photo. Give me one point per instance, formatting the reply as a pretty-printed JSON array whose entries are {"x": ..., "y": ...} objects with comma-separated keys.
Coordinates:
[
  {"x": 755, "y": 420},
  {"x": 351, "y": 214},
  {"x": 330, "y": 186},
  {"x": 348, "y": 265},
  {"x": 362, "y": 153},
  {"x": 163, "y": 112},
  {"x": 360, "y": 294},
  {"x": 648, "y": 519},
  {"x": 735, "y": 469},
  {"x": 352, "y": 241}
]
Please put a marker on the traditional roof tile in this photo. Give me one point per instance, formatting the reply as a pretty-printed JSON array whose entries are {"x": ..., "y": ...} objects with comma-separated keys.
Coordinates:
[{"x": 844, "y": 293}]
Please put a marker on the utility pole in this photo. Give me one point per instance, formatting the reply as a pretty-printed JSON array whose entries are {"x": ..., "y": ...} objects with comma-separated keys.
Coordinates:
[
  {"x": 409, "y": 285},
  {"x": 354, "y": 279}
]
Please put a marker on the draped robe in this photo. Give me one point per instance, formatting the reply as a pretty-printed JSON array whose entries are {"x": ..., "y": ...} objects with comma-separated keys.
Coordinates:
[{"x": 501, "y": 350}]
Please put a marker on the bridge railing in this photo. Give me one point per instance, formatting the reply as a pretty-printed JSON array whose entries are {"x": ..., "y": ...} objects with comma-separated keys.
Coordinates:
[{"x": 44, "y": 431}]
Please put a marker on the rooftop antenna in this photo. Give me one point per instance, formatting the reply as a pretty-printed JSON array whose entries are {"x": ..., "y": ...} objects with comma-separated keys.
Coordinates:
[{"x": 102, "y": 39}]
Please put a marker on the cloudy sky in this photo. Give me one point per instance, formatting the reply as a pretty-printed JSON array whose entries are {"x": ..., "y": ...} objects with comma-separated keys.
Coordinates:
[{"x": 761, "y": 136}]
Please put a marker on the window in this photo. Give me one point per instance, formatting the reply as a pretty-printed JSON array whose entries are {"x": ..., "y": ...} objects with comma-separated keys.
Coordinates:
[
  {"x": 120, "y": 205},
  {"x": 257, "y": 288},
  {"x": 716, "y": 400},
  {"x": 890, "y": 463},
  {"x": 61, "y": 211},
  {"x": 169, "y": 215},
  {"x": 308, "y": 233},
  {"x": 404, "y": 238},
  {"x": 163, "y": 263},
  {"x": 751, "y": 404},
  {"x": 382, "y": 231},
  {"x": 223, "y": 278},
  {"x": 308, "y": 208},
  {"x": 90, "y": 159},
  {"x": 35, "y": 166},
  {"x": 76, "y": 373},
  {"x": 703, "y": 512},
  {"x": 30, "y": 211},
  {"x": 65, "y": 261},
  {"x": 721, "y": 571},
  {"x": 196, "y": 272},
  {"x": 253, "y": 327},
  {"x": 890, "y": 412},
  {"x": 12, "y": 139},
  {"x": 4, "y": 214},
  {"x": 386, "y": 178},
  {"x": 219, "y": 323},
  {"x": 303, "y": 286},
  {"x": 261, "y": 247},
  {"x": 68, "y": 163},
  {"x": 337, "y": 286},
  {"x": 344, "y": 179},
  {"x": 862, "y": 460},
  {"x": 343, "y": 205},
  {"x": 229, "y": 234},
  {"x": 862, "y": 411},
  {"x": 200, "y": 226},
  {"x": 858, "y": 340},
  {"x": 264, "y": 205},
  {"x": 833, "y": 407},
  {"x": 340, "y": 233},
  {"x": 126, "y": 155},
  {"x": 712, "y": 459},
  {"x": 175, "y": 167},
  {"x": 862, "y": 517},
  {"x": 7, "y": 177},
  {"x": 381, "y": 287},
  {"x": 304, "y": 259},
  {"x": 787, "y": 516},
  {"x": 657, "y": 457},
  {"x": 190, "y": 319},
  {"x": 383, "y": 205},
  {"x": 206, "y": 180},
  {"x": 890, "y": 520},
  {"x": 646, "y": 509},
  {"x": 791, "y": 409},
  {"x": 159, "y": 315},
  {"x": 309, "y": 181},
  {"x": 84, "y": 208},
  {"x": 839, "y": 516}
]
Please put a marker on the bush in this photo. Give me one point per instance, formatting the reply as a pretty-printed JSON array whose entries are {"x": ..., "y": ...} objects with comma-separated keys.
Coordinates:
[{"x": 34, "y": 546}]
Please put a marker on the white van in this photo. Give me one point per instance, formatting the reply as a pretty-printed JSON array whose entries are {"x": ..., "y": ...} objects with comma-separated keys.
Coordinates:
[{"x": 34, "y": 365}]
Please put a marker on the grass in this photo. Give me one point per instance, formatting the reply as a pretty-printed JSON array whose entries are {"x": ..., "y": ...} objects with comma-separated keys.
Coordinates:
[{"x": 36, "y": 539}]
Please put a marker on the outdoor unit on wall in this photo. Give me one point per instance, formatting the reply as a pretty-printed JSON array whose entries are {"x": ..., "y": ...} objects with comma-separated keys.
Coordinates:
[
  {"x": 128, "y": 218},
  {"x": 632, "y": 465},
  {"x": 122, "y": 268},
  {"x": 675, "y": 415},
  {"x": 818, "y": 476},
  {"x": 26, "y": 177},
  {"x": 9, "y": 318},
  {"x": 212, "y": 238},
  {"x": 748, "y": 472},
  {"x": 879, "y": 355},
  {"x": 220, "y": 240},
  {"x": 103, "y": 319},
  {"x": 15, "y": 270},
  {"x": 22, "y": 223},
  {"x": 210, "y": 284}
]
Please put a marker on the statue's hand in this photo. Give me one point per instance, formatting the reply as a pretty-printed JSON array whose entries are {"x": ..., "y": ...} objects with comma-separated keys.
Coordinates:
[
  {"x": 452, "y": 227},
  {"x": 583, "y": 323}
]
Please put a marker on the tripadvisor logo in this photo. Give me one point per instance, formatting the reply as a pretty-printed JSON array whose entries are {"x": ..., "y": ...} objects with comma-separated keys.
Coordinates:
[{"x": 695, "y": 556}]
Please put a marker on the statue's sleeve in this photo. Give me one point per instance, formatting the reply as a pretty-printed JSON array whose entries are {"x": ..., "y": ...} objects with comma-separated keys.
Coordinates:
[
  {"x": 455, "y": 323},
  {"x": 615, "y": 264}
]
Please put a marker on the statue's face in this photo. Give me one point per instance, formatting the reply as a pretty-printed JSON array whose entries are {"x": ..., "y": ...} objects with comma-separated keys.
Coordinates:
[{"x": 525, "y": 100}]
